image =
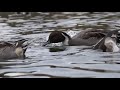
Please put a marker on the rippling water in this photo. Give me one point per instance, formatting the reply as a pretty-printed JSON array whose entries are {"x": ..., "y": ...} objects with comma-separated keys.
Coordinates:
[{"x": 58, "y": 61}]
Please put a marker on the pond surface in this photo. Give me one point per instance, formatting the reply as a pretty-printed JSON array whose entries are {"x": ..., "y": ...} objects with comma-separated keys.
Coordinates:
[{"x": 57, "y": 61}]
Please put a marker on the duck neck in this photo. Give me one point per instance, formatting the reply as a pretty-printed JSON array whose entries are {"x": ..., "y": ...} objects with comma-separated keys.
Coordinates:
[
  {"x": 115, "y": 48},
  {"x": 67, "y": 39}
]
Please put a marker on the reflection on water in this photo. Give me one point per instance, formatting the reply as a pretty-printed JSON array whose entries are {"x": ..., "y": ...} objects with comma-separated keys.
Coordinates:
[
  {"x": 56, "y": 49},
  {"x": 58, "y": 61}
]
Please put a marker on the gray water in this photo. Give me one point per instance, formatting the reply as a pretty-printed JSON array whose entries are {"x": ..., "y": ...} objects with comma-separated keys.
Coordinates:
[{"x": 57, "y": 61}]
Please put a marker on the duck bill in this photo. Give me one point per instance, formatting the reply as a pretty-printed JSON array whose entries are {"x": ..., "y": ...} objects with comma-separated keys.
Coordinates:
[{"x": 46, "y": 43}]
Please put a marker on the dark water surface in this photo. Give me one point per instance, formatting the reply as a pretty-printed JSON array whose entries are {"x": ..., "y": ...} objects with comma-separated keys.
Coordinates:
[{"x": 52, "y": 61}]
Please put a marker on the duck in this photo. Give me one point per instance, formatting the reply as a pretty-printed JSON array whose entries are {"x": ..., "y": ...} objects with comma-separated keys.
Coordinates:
[
  {"x": 109, "y": 43},
  {"x": 13, "y": 51},
  {"x": 85, "y": 37}
]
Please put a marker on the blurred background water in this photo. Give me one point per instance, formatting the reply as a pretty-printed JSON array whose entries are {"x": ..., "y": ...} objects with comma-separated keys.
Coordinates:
[{"x": 58, "y": 62}]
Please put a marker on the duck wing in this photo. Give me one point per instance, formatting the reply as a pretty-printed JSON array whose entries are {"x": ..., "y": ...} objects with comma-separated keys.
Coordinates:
[
  {"x": 86, "y": 34},
  {"x": 4, "y": 44}
]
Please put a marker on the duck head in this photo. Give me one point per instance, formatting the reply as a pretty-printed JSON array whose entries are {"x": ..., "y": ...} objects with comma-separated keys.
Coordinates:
[
  {"x": 58, "y": 36},
  {"x": 20, "y": 49},
  {"x": 109, "y": 42}
]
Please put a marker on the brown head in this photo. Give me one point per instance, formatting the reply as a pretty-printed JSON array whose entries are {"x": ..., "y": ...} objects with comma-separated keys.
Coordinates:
[{"x": 57, "y": 36}]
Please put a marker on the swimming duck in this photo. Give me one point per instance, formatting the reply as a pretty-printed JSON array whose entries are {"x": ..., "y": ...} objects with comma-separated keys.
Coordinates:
[
  {"x": 12, "y": 51},
  {"x": 109, "y": 42},
  {"x": 86, "y": 37}
]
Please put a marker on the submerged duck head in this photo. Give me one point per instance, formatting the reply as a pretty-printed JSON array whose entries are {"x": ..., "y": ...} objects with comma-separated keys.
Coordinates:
[
  {"x": 109, "y": 42},
  {"x": 58, "y": 36}
]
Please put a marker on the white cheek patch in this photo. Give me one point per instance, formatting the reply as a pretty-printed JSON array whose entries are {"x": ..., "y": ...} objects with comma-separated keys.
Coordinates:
[{"x": 111, "y": 45}]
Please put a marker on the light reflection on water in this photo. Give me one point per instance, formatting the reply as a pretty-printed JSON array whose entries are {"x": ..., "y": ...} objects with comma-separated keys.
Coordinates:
[{"x": 58, "y": 62}]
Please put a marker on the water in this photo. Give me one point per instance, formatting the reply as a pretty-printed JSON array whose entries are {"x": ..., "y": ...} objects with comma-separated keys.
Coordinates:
[{"x": 58, "y": 61}]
